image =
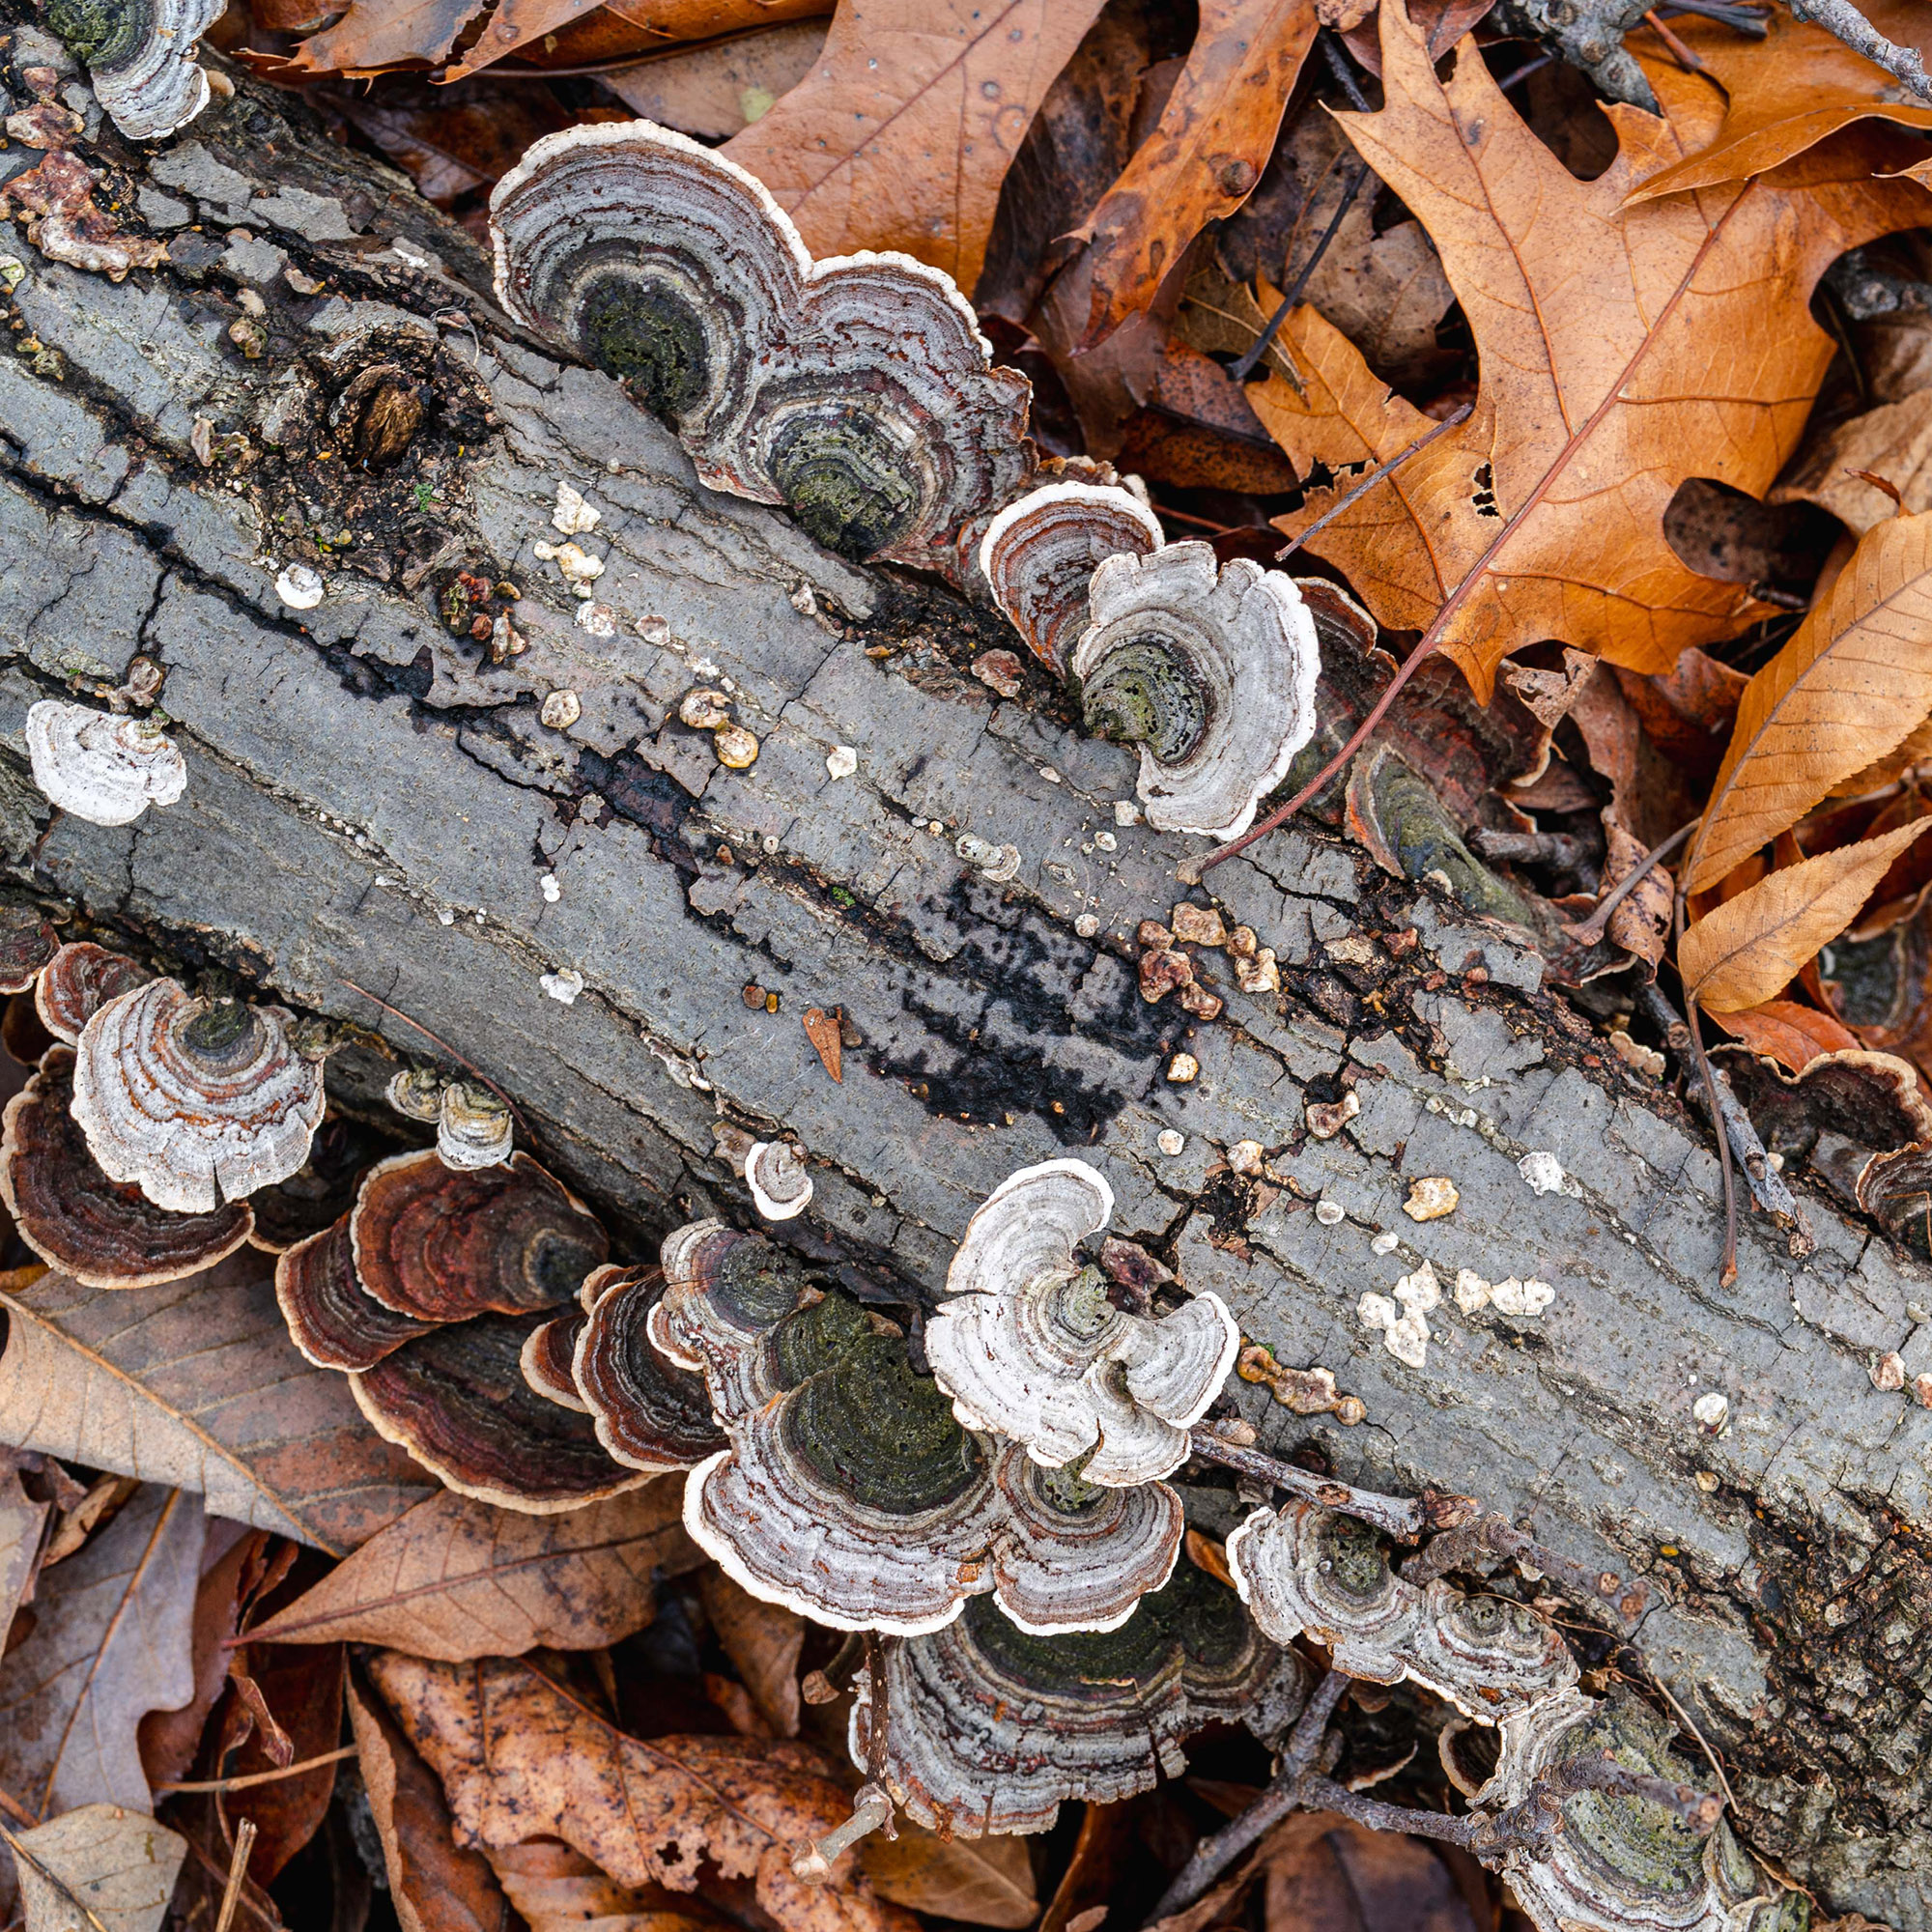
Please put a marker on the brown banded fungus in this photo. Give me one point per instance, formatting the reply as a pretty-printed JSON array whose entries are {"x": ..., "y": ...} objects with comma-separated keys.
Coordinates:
[
  {"x": 105, "y": 1234},
  {"x": 780, "y": 1188},
  {"x": 1303, "y": 1570},
  {"x": 1210, "y": 669},
  {"x": 1621, "y": 1863},
  {"x": 1030, "y": 1346},
  {"x": 140, "y": 57},
  {"x": 648, "y": 1412},
  {"x": 857, "y": 391},
  {"x": 547, "y": 1355},
  {"x": 989, "y": 1730},
  {"x": 196, "y": 1100},
  {"x": 1040, "y": 553},
  {"x": 80, "y": 980},
  {"x": 331, "y": 1318},
  {"x": 849, "y": 1491},
  {"x": 457, "y": 1400},
  {"x": 28, "y": 944},
  {"x": 443, "y": 1244},
  {"x": 103, "y": 768}
]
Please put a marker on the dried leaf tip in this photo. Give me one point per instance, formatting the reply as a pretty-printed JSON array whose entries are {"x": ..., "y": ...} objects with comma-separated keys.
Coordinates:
[
  {"x": 1210, "y": 669},
  {"x": 1030, "y": 1345},
  {"x": 103, "y": 768},
  {"x": 857, "y": 391}
]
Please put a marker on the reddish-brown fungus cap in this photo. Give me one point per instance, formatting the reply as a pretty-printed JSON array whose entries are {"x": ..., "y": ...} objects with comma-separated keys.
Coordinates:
[
  {"x": 648, "y": 1412},
  {"x": 548, "y": 1350},
  {"x": 442, "y": 1245},
  {"x": 330, "y": 1318},
  {"x": 80, "y": 980},
  {"x": 28, "y": 942},
  {"x": 457, "y": 1400},
  {"x": 105, "y": 1234}
]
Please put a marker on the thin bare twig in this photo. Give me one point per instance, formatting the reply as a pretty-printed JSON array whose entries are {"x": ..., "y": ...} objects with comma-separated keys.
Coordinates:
[
  {"x": 1405, "y": 1517},
  {"x": 1375, "y": 476},
  {"x": 1240, "y": 371},
  {"x": 1598, "y": 922},
  {"x": 52, "y": 1878},
  {"x": 1727, "y": 1271},
  {"x": 238, "y": 1872},
  {"x": 251, "y": 1777},
  {"x": 1711, "y": 1757},
  {"x": 1841, "y": 20},
  {"x": 1679, "y": 52}
]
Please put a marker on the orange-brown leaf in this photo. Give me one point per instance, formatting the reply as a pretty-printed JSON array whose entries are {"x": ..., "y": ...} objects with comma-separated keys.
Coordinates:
[
  {"x": 904, "y": 130},
  {"x": 1851, "y": 684},
  {"x": 1791, "y": 90},
  {"x": 1747, "y": 950},
  {"x": 1622, "y": 351},
  {"x": 1793, "y": 1036},
  {"x": 519, "y": 1757},
  {"x": 1204, "y": 157}
]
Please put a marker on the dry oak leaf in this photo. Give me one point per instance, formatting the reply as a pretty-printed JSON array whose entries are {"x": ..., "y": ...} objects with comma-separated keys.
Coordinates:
[
  {"x": 1793, "y": 1036},
  {"x": 977, "y": 1880},
  {"x": 458, "y": 1578},
  {"x": 196, "y": 1384},
  {"x": 112, "y": 1640},
  {"x": 1205, "y": 156},
  {"x": 436, "y": 1884},
  {"x": 555, "y": 1889},
  {"x": 902, "y": 133},
  {"x": 1622, "y": 351},
  {"x": 1849, "y": 687},
  {"x": 1747, "y": 950},
  {"x": 376, "y": 35},
  {"x": 1791, "y": 90},
  {"x": 116, "y": 1862},
  {"x": 519, "y": 1757}
]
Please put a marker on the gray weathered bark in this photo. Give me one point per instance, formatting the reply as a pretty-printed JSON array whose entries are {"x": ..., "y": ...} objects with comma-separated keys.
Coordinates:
[{"x": 373, "y": 804}]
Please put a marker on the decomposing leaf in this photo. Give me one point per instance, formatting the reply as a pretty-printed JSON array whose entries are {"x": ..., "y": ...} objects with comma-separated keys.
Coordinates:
[
  {"x": 117, "y": 1863},
  {"x": 1204, "y": 157},
  {"x": 1791, "y": 90},
  {"x": 1686, "y": 349},
  {"x": 821, "y": 1028},
  {"x": 763, "y": 1641},
  {"x": 1746, "y": 950},
  {"x": 458, "y": 1578},
  {"x": 196, "y": 1383},
  {"x": 903, "y": 131},
  {"x": 1851, "y": 683},
  {"x": 520, "y": 1756},
  {"x": 1792, "y": 1035},
  {"x": 717, "y": 88},
  {"x": 22, "y": 1521},
  {"x": 555, "y": 1889},
  {"x": 112, "y": 1639},
  {"x": 1893, "y": 441},
  {"x": 299, "y": 1694},
  {"x": 436, "y": 1884},
  {"x": 978, "y": 1881}
]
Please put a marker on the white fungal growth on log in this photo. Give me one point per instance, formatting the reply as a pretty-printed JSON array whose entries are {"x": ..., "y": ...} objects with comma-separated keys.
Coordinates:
[{"x": 103, "y": 768}]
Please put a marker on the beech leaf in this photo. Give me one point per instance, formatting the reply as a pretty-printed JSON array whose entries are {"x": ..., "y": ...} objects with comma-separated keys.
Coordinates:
[
  {"x": 1204, "y": 157},
  {"x": 1745, "y": 951},
  {"x": 1622, "y": 351},
  {"x": 1850, "y": 686},
  {"x": 519, "y": 1757},
  {"x": 196, "y": 1384},
  {"x": 118, "y": 1863},
  {"x": 112, "y": 1639},
  {"x": 458, "y": 1578},
  {"x": 904, "y": 130},
  {"x": 1793, "y": 1036}
]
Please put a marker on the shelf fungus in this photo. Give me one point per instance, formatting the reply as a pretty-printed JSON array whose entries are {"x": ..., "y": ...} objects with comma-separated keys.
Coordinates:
[
  {"x": 331, "y": 1318},
  {"x": 196, "y": 1100},
  {"x": 850, "y": 1492},
  {"x": 551, "y": 1348},
  {"x": 1040, "y": 553},
  {"x": 79, "y": 980},
  {"x": 989, "y": 1730},
  {"x": 1030, "y": 1345},
  {"x": 857, "y": 391},
  {"x": 1619, "y": 1862},
  {"x": 103, "y": 768},
  {"x": 443, "y": 1244},
  {"x": 780, "y": 1188},
  {"x": 474, "y": 1126},
  {"x": 1305, "y": 1570},
  {"x": 140, "y": 57},
  {"x": 105, "y": 1234},
  {"x": 1210, "y": 669},
  {"x": 648, "y": 1412},
  {"x": 457, "y": 1400},
  {"x": 28, "y": 946}
]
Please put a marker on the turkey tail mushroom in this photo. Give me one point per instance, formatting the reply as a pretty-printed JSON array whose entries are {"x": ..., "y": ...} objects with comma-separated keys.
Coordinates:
[
  {"x": 80, "y": 980},
  {"x": 103, "y": 768},
  {"x": 648, "y": 1412},
  {"x": 140, "y": 57},
  {"x": 28, "y": 946}
]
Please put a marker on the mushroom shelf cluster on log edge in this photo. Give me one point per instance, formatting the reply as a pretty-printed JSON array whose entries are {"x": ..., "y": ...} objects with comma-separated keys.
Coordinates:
[{"x": 440, "y": 850}]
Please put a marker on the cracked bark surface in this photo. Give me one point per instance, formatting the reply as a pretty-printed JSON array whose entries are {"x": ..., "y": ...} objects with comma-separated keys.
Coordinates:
[{"x": 373, "y": 804}]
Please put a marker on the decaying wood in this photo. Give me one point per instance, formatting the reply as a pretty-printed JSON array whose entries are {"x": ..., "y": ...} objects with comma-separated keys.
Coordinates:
[{"x": 374, "y": 806}]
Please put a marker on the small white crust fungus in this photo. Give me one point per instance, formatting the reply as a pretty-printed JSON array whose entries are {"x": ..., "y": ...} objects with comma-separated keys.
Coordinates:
[
  {"x": 103, "y": 768},
  {"x": 781, "y": 1188}
]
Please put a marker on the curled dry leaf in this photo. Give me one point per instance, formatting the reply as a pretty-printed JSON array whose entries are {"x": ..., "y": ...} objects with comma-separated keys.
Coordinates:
[
  {"x": 1543, "y": 514},
  {"x": 112, "y": 1640},
  {"x": 519, "y": 1757},
  {"x": 457, "y": 1578},
  {"x": 1851, "y": 683},
  {"x": 763, "y": 1641},
  {"x": 1206, "y": 155},
  {"x": 118, "y": 1862},
  {"x": 1747, "y": 950},
  {"x": 903, "y": 133},
  {"x": 1783, "y": 1031},
  {"x": 196, "y": 1383}
]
